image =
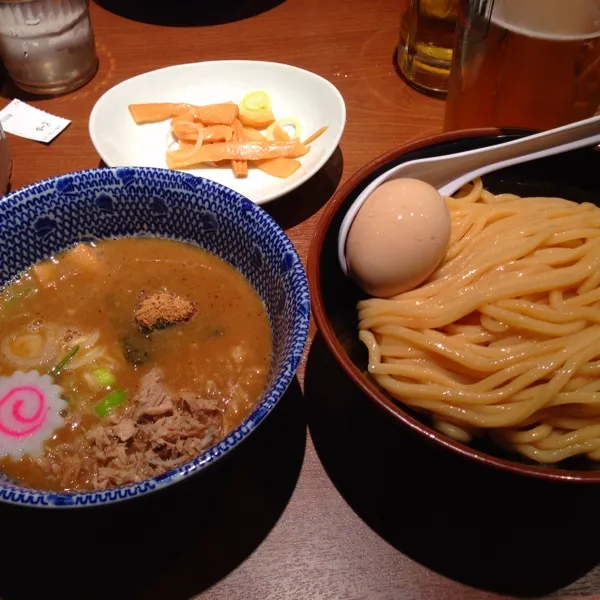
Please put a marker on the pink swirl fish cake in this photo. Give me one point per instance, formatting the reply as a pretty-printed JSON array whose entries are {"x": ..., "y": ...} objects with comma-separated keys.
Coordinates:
[{"x": 30, "y": 413}]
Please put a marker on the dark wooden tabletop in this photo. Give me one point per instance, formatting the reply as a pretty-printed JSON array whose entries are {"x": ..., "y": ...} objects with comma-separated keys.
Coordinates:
[{"x": 327, "y": 500}]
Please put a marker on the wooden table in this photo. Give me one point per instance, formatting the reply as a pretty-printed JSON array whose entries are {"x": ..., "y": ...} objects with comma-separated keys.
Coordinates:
[{"x": 327, "y": 500}]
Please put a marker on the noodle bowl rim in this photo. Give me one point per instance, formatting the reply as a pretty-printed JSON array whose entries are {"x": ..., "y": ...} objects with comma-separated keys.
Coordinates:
[{"x": 398, "y": 412}]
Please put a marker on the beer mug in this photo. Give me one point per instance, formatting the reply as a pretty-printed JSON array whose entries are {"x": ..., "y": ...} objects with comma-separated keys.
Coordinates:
[
  {"x": 426, "y": 42},
  {"x": 524, "y": 63}
]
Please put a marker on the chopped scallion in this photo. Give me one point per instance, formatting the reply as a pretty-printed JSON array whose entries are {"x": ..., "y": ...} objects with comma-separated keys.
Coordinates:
[
  {"x": 104, "y": 377},
  {"x": 256, "y": 101},
  {"x": 54, "y": 371},
  {"x": 110, "y": 402}
]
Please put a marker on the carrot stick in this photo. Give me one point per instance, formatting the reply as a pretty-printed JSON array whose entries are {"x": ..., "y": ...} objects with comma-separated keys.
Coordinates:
[
  {"x": 279, "y": 133},
  {"x": 216, "y": 114},
  {"x": 186, "y": 117},
  {"x": 184, "y": 147},
  {"x": 318, "y": 133},
  {"x": 278, "y": 167},
  {"x": 212, "y": 133},
  {"x": 157, "y": 111},
  {"x": 245, "y": 150},
  {"x": 186, "y": 144},
  {"x": 184, "y": 129},
  {"x": 254, "y": 135},
  {"x": 258, "y": 119},
  {"x": 211, "y": 114},
  {"x": 240, "y": 167},
  {"x": 218, "y": 133}
]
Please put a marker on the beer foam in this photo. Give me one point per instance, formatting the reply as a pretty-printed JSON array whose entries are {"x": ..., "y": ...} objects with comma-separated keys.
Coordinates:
[{"x": 556, "y": 20}]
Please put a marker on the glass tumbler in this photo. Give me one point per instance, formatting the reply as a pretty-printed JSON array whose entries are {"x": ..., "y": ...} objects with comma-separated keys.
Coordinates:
[
  {"x": 426, "y": 41},
  {"x": 47, "y": 45}
]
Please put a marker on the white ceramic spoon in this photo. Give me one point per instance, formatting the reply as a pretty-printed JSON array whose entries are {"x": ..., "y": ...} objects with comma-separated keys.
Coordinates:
[{"x": 449, "y": 173}]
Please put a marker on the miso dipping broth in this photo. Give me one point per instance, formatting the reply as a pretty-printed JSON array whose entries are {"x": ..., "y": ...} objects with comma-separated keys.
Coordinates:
[{"x": 122, "y": 359}]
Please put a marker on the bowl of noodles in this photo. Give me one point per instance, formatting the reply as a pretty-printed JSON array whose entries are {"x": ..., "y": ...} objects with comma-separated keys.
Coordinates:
[{"x": 496, "y": 356}]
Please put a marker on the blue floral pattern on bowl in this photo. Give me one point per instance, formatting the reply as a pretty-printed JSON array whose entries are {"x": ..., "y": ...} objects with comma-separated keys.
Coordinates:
[{"x": 52, "y": 215}]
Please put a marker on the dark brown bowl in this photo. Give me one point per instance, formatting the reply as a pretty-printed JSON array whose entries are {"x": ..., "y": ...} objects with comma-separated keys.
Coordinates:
[{"x": 573, "y": 175}]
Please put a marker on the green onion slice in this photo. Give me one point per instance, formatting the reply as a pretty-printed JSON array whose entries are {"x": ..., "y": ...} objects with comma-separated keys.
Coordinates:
[
  {"x": 255, "y": 101},
  {"x": 110, "y": 402},
  {"x": 104, "y": 377},
  {"x": 54, "y": 371}
]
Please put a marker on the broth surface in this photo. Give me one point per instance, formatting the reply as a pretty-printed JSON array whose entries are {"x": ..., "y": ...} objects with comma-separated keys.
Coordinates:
[{"x": 222, "y": 353}]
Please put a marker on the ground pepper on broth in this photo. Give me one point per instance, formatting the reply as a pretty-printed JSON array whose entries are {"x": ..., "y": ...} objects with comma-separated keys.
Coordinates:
[{"x": 174, "y": 390}]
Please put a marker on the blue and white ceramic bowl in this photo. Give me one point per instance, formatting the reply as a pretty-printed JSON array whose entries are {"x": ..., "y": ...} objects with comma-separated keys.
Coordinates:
[{"x": 49, "y": 216}]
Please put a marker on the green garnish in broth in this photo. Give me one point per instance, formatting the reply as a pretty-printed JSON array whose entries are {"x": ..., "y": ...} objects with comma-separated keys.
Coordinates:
[
  {"x": 110, "y": 402},
  {"x": 54, "y": 371},
  {"x": 105, "y": 377}
]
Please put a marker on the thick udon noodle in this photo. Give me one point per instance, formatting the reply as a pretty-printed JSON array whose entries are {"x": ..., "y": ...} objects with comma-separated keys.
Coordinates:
[
  {"x": 38, "y": 344},
  {"x": 504, "y": 338}
]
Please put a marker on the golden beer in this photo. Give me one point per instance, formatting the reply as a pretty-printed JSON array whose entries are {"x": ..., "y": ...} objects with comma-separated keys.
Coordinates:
[
  {"x": 533, "y": 64},
  {"x": 426, "y": 42}
]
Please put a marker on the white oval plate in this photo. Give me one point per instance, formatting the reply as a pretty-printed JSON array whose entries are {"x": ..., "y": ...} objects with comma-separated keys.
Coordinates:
[{"x": 294, "y": 93}]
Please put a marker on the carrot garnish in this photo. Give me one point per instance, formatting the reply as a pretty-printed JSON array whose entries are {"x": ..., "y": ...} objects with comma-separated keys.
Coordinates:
[
  {"x": 279, "y": 167},
  {"x": 211, "y": 114},
  {"x": 279, "y": 133},
  {"x": 184, "y": 130},
  {"x": 244, "y": 150},
  {"x": 318, "y": 133},
  {"x": 157, "y": 111},
  {"x": 239, "y": 167},
  {"x": 216, "y": 114},
  {"x": 258, "y": 119},
  {"x": 229, "y": 134},
  {"x": 252, "y": 134}
]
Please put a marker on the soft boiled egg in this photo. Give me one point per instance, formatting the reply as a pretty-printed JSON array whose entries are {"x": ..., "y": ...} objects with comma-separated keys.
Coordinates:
[{"x": 398, "y": 237}]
